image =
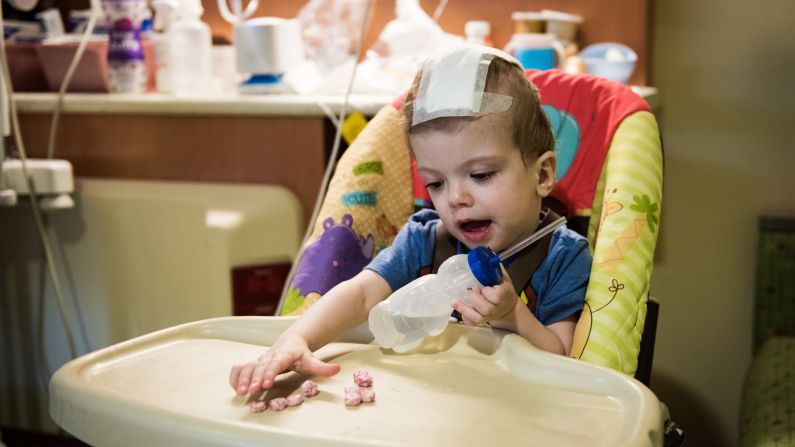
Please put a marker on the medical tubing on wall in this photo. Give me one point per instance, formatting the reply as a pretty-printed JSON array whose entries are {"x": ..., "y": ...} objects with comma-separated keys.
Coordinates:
[
  {"x": 33, "y": 195},
  {"x": 96, "y": 9},
  {"x": 332, "y": 162}
]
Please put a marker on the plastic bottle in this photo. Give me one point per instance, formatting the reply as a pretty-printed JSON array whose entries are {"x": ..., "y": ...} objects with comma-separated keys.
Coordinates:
[
  {"x": 190, "y": 55},
  {"x": 126, "y": 67},
  {"x": 165, "y": 16},
  {"x": 478, "y": 31},
  {"x": 422, "y": 307}
]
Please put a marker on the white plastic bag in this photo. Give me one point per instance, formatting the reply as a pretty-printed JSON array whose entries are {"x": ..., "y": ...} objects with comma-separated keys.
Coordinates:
[
  {"x": 406, "y": 40},
  {"x": 331, "y": 30}
]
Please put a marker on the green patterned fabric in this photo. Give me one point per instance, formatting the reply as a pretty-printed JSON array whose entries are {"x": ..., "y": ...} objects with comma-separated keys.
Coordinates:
[
  {"x": 768, "y": 408},
  {"x": 775, "y": 280},
  {"x": 624, "y": 236}
]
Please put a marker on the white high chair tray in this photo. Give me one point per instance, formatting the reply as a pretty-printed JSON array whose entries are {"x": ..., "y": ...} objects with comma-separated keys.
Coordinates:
[{"x": 467, "y": 386}]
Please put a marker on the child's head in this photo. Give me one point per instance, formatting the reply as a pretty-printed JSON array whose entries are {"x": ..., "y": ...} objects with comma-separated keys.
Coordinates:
[{"x": 487, "y": 160}]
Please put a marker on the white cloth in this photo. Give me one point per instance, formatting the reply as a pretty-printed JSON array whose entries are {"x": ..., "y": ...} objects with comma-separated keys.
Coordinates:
[{"x": 453, "y": 83}]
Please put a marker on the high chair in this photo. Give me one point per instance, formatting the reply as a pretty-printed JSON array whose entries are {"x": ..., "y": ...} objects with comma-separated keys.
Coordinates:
[
  {"x": 465, "y": 386},
  {"x": 609, "y": 185}
]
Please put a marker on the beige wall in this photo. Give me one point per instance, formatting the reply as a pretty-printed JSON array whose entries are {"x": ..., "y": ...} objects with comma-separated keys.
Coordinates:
[{"x": 726, "y": 70}]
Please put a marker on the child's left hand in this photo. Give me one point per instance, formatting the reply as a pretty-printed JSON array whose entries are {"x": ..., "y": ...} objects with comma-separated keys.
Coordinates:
[{"x": 489, "y": 304}]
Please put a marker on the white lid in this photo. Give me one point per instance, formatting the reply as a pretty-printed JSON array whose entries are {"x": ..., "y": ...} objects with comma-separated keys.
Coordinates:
[
  {"x": 523, "y": 15},
  {"x": 479, "y": 28},
  {"x": 549, "y": 14},
  {"x": 191, "y": 9},
  {"x": 165, "y": 13}
]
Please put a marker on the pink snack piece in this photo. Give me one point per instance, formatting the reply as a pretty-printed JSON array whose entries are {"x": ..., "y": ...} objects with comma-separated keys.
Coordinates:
[
  {"x": 352, "y": 396},
  {"x": 257, "y": 406},
  {"x": 362, "y": 378},
  {"x": 277, "y": 404},
  {"x": 309, "y": 388},
  {"x": 368, "y": 394},
  {"x": 295, "y": 399}
]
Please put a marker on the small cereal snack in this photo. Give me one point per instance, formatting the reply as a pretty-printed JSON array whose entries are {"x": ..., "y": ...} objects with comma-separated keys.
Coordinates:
[
  {"x": 309, "y": 388},
  {"x": 295, "y": 399},
  {"x": 368, "y": 394},
  {"x": 258, "y": 406},
  {"x": 362, "y": 378},
  {"x": 352, "y": 396},
  {"x": 277, "y": 404}
]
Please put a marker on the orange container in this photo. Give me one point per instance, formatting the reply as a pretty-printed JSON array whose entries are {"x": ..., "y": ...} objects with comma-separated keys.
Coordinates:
[
  {"x": 91, "y": 74},
  {"x": 27, "y": 74}
]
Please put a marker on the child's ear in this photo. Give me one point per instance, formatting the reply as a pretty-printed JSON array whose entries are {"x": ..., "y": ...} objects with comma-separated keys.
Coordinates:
[{"x": 545, "y": 167}]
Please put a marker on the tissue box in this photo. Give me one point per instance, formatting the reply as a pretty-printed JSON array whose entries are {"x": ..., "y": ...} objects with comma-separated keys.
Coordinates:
[
  {"x": 27, "y": 74},
  {"x": 91, "y": 74}
]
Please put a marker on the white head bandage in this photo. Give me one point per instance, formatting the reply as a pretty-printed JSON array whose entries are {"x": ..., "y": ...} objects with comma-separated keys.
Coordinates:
[{"x": 452, "y": 84}]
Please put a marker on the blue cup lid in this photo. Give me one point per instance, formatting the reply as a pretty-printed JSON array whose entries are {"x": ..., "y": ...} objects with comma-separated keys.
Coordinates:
[{"x": 485, "y": 265}]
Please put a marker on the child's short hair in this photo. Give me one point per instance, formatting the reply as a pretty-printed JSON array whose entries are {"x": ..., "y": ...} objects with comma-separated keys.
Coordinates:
[{"x": 529, "y": 125}]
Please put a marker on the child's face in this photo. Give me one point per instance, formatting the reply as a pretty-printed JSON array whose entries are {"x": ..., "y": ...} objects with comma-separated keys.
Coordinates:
[{"x": 483, "y": 192}]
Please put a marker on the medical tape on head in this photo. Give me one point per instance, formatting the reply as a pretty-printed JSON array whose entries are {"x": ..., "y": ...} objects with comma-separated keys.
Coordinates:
[{"x": 453, "y": 84}]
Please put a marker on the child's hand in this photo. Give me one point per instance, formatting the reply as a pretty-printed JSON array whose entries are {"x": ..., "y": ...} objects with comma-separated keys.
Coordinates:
[
  {"x": 489, "y": 304},
  {"x": 289, "y": 353}
]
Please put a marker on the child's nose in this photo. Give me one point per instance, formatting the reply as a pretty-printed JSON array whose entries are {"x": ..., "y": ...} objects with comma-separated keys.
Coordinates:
[{"x": 458, "y": 196}]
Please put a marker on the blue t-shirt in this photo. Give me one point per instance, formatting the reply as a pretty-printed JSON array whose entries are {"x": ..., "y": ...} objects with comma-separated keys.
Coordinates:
[{"x": 560, "y": 281}]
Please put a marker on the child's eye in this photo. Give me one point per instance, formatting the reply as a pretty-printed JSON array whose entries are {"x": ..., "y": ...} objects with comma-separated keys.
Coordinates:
[
  {"x": 433, "y": 185},
  {"x": 482, "y": 176}
]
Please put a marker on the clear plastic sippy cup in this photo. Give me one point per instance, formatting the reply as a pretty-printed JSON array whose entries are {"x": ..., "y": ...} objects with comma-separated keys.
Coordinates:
[{"x": 423, "y": 306}]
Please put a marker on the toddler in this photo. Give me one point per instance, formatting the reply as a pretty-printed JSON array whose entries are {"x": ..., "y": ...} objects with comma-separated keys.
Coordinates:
[{"x": 484, "y": 149}]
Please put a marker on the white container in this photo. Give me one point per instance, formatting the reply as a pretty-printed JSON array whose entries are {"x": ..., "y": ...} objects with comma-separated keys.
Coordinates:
[
  {"x": 126, "y": 66},
  {"x": 423, "y": 306},
  {"x": 190, "y": 60},
  {"x": 610, "y": 60},
  {"x": 165, "y": 16},
  {"x": 266, "y": 48},
  {"x": 477, "y": 32},
  {"x": 562, "y": 25}
]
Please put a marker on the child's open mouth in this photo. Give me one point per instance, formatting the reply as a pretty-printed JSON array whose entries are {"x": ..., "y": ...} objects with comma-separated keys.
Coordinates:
[{"x": 475, "y": 230}]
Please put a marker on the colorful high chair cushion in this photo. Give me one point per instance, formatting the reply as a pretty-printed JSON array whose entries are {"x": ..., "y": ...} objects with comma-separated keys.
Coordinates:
[
  {"x": 627, "y": 201},
  {"x": 609, "y": 165},
  {"x": 367, "y": 201}
]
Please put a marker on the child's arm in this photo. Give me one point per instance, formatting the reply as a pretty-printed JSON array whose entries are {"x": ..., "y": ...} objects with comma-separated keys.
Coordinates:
[
  {"x": 341, "y": 309},
  {"x": 502, "y": 309}
]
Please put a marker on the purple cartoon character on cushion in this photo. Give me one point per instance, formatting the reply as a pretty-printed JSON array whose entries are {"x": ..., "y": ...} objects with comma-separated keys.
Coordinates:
[{"x": 337, "y": 255}]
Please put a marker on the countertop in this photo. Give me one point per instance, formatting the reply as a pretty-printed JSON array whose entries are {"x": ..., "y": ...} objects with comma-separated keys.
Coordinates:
[{"x": 249, "y": 105}]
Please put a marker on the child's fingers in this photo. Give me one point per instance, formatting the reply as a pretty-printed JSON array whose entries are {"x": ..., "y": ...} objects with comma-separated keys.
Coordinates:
[
  {"x": 481, "y": 303},
  {"x": 470, "y": 316},
  {"x": 491, "y": 294},
  {"x": 256, "y": 384},
  {"x": 234, "y": 376},
  {"x": 314, "y": 366},
  {"x": 276, "y": 364},
  {"x": 244, "y": 378},
  {"x": 506, "y": 278}
]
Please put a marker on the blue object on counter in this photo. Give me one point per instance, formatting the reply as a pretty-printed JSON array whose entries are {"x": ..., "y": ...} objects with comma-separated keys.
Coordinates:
[{"x": 538, "y": 58}]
